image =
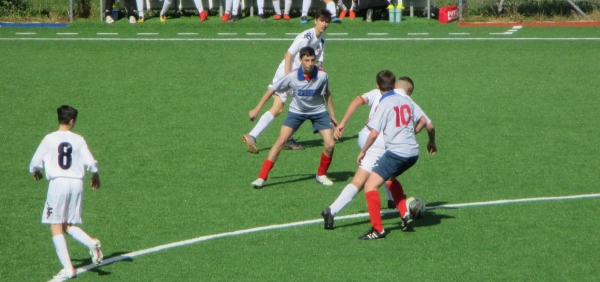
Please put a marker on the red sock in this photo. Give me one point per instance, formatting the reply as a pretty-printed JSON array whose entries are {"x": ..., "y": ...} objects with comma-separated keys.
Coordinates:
[
  {"x": 373, "y": 205},
  {"x": 266, "y": 167},
  {"x": 398, "y": 193},
  {"x": 324, "y": 165}
]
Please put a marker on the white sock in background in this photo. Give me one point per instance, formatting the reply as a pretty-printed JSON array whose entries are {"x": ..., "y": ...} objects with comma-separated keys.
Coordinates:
[
  {"x": 331, "y": 8},
  {"x": 277, "y": 7},
  {"x": 262, "y": 123},
  {"x": 305, "y": 7},
  {"x": 165, "y": 7},
  {"x": 288, "y": 6}
]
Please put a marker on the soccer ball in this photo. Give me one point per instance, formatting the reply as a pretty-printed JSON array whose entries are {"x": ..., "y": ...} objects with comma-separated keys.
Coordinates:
[{"x": 415, "y": 206}]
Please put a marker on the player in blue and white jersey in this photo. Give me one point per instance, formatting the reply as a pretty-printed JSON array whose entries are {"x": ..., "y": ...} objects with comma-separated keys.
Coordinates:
[
  {"x": 311, "y": 99},
  {"x": 404, "y": 86},
  {"x": 65, "y": 156},
  {"x": 309, "y": 38},
  {"x": 394, "y": 117}
]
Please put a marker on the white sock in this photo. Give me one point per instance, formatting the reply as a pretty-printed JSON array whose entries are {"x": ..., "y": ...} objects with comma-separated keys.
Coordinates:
[
  {"x": 331, "y": 8},
  {"x": 344, "y": 198},
  {"x": 80, "y": 236},
  {"x": 277, "y": 7},
  {"x": 388, "y": 194},
  {"x": 199, "y": 5},
  {"x": 261, "y": 6},
  {"x": 305, "y": 7},
  {"x": 61, "y": 250},
  {"x": 140, "y": 8},
  {"x": 262, "y": 124},
  {"x": 236, "y": 6},
  {"x": 165, "y": 7},
  {"x": 228, "y": 5},
  {"x": 288, "y": 6},
  {"x": 341, "y": 5},
  {"x": 353, "y": 7}
]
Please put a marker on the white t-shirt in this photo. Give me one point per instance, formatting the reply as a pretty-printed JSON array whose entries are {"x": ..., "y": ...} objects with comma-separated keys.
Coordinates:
[
  {"x": 395, "y": 117},
  {"x": 308, "y": 38},
  {"x": 308, "y": 96},
  {"x": 63, "y": 154}
]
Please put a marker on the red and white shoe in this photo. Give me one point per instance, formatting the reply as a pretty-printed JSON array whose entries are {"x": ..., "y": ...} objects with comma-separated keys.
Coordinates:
[
  {"x": 276, "y": 17},
  {"x": 352, "y": 15},
  {"x": 343, "y": 14},
  {"x": 286, "y": 17},
  {"x": 225, "y": 17},
  {"x": 203, "y": 16}
]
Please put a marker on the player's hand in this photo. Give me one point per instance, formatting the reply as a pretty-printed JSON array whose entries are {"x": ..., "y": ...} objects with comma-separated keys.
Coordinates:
[
  {"x": 361, "y": 155},
  {"x": 37, "y": 175},
  {"x": 253, "y": 114},
  {"x": 337, "y": 134},
  {"x": 431, "y": 148},
  {"x": 95, "y": 181}
]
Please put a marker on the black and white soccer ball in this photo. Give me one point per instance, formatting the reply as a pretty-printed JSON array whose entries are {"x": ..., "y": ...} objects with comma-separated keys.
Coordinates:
[{"x": 416, "y": 207}]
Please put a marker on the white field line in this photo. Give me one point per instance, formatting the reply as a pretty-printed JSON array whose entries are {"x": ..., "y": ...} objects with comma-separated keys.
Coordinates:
[
  {"x": 226, "y": 34},
  {"x": 458, "y": 33},
  {"x": 255, "y": 34},
  {"x": 147, "y": 33},
  {"x": 187, "y": 33},
  {"x": 377, "y": 34},
  {"x": 418, "y": 33},
  {"x": 25, "y": 33},
  {"x": 107, "y": 33},
  {"x": 289, "y": 39},
  {"x": 313, "y": 221},
  {"x": 67, "y": 33}
]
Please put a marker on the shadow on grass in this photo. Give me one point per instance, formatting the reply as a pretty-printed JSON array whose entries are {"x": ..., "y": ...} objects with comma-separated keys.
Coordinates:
[
  {"x": 98, "y": 270},
  {"x": 339, "y": 176},
  {"x": 313, "y": 143},
  {"x": 429, "y": 219}
]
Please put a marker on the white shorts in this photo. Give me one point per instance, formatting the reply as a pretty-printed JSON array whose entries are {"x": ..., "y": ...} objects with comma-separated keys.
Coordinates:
[
  {"x": 373, "y": 154},
  {"x": 63, "y": 202},
  {"x": 282, "y": 95}
]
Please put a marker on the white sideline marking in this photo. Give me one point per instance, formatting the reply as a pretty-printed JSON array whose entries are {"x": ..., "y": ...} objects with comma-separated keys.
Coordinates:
[
  {"x": 370, "y": 39},
  {"x": 67, "y": 33},
  {"x": 291, "y": 34},
  {"x": 377, "y": 34},
  {"x": 226, "y": 34},
  {"x": 147, "y": 33},
  {"x": 187, "y": 33},
  {"x": 255, "y": 34},
  {"x": 107, "y": 33},
  {"x": 422, "y": 33},
  {"x": 517, "y": 27},
  {"x": 458, "y": 33},
  {"x": 25, "y": 33},
  {"x": 313, "y": 221}
]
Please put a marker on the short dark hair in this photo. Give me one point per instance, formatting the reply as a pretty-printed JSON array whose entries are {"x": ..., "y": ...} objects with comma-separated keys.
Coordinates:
[
  {"x": 307, "y": 51},
  {"x": 66, "y": 114},
  {"x": 323, "y": 14},
  {"x": 407, "y": 79},
  {"x": 386, "y": 80}
]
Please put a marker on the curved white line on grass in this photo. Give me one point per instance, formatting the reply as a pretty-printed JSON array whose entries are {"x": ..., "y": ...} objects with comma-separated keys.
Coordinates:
[
  {"x": 289, "y": 39},
  {"x": 307, "y": 222}
]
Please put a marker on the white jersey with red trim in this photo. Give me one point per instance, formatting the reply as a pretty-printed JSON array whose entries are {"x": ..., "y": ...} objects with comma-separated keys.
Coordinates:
[
  {"x": 308, "y": 38},
  {"x": 63, "y": 154},
  {"x": 395, "y": 117}
]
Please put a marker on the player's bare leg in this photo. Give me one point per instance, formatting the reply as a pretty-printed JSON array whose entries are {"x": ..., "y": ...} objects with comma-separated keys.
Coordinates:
[
  {"x": 268, "y": 164},
  {"x": 326, "y": 156}
]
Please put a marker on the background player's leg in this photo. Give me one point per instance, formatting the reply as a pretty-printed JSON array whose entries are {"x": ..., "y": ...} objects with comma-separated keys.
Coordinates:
[
  {"x": 165, "y": 8},
  {"x": 140, "y": 9},
  {"x": 277, "y": 8},
  {"x": 268, "y": 117}
]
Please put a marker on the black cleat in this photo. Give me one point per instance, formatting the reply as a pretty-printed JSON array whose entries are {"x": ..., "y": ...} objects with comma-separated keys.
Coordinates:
[
  {"x": 391, "y": 204},
  {"x": 406, "y": 222},
  {"x": 327, "y": 218},
  {"x": 261, "y": 17},
  {"x": 234, "y": 19},
  {"x": 372, "y": 235}
]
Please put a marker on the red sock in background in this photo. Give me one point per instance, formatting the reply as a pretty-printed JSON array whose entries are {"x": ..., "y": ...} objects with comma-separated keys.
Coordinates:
[
  {"x": 324, "y": 164},
  {"x": 398, "y": 194},
  {"x": 266, "y": 167},
  {"x": 374, "y": 207}
]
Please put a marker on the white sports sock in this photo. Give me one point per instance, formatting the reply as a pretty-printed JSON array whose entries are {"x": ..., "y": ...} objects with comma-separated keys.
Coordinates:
[
  {"x": 140, "y": 8},
  {"x": 261, "y": 6},
  {"x": 353, "y": 7},
  {"x": 305, "y": 7},
  {"x": 288, "y": 6},
  {"x": 80, "y": 236},
  {"x": 228, "y": 5},
  {"x": 344, "y": 198},
  {"x": 331, "y": 8},
  {"x": 165, "y": 7},
  {"x": 341, "y": 5},
  {"x": 199, "y": 5},
  {"x": 236, "y": 6},
  {"x": 61, "y": 250},
  {"x": 277, "y": 7},
  {"x": 262, "y": 124},
  {"x": 388, "y": 194}
]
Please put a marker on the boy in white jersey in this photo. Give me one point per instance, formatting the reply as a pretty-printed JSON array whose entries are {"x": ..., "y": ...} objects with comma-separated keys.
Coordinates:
[
  {"x": 64, "y": 155},
  {"x": 167, "y": 4},
  {"x": 404, "y": 86},
  {"x": 394, "y": 117},
  {"x": 309, "y": 89},
  {"x": 309, "y": 38}
]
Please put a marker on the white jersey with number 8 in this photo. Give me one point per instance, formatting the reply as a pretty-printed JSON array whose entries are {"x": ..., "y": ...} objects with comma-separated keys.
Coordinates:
[{"x": 63, "y": 154}]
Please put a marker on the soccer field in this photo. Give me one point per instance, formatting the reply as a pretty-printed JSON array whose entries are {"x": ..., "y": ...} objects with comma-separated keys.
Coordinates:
[{"x": 516, "y": 118}]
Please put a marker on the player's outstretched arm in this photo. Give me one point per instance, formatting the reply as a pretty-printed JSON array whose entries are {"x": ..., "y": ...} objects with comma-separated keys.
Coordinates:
[
  {"x": 431, "y": 147},
  {"x": 351, "y": 109},
  {"x": 254, "y": 112},
  {"x": 95, "y": 183}
]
